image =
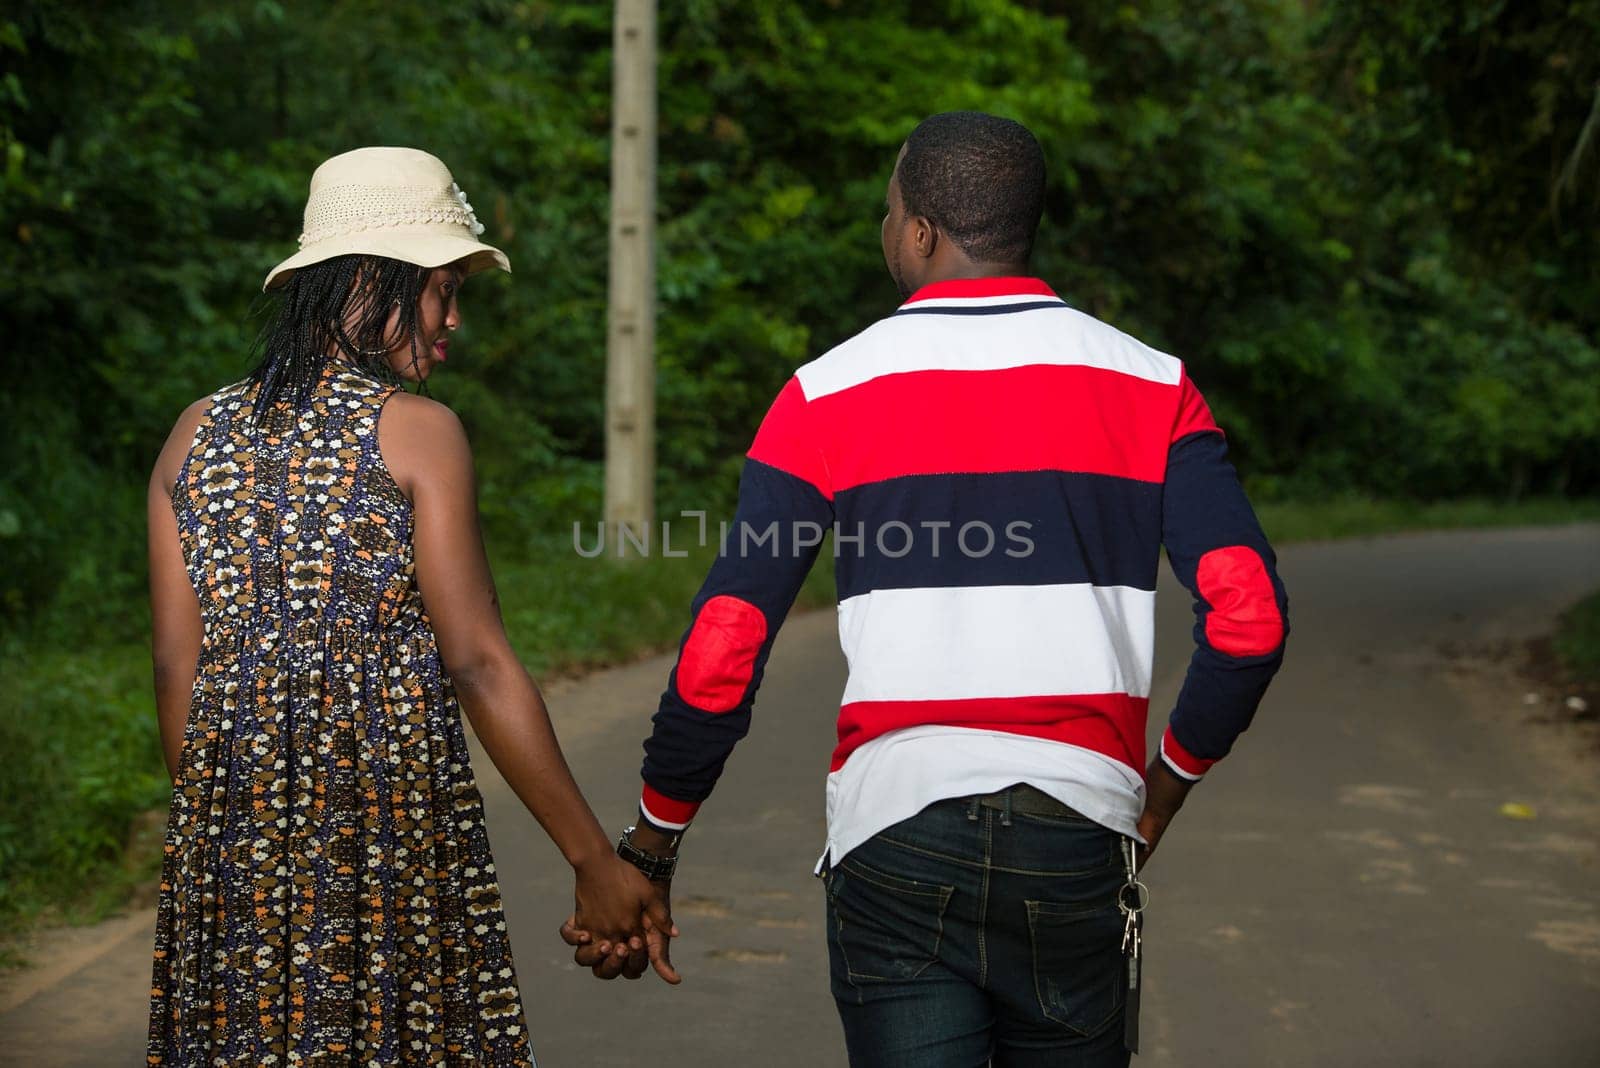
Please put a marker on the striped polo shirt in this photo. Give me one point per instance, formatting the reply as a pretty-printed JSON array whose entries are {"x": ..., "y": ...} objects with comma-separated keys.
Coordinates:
[{"x": 1000, "y": 473}]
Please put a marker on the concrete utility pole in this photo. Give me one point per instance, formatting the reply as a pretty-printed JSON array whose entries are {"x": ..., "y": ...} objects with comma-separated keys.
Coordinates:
[{"x": 631, "y": 326}]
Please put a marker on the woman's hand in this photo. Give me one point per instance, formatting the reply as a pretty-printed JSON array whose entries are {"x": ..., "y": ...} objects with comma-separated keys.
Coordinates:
[
  {"x": 608, "y": 961},
  {"x": 615, "y": 904}
]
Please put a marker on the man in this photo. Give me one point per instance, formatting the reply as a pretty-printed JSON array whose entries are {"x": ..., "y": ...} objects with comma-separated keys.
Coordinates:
[{"x": 1000, "y": 472}]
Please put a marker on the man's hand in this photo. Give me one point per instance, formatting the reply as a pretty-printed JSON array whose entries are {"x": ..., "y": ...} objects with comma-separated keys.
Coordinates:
[
  {"x": 1164, "y": 795},
  {"x": 625, "y": 959},
  {"x": 611, "y": 900}
]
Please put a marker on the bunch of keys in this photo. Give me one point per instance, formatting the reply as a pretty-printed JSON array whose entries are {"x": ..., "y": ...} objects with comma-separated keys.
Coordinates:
[{"x": 1132, "y": 897}]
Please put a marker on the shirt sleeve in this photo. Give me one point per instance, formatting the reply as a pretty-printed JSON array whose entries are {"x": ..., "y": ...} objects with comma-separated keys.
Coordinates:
[
  {"x": 785, "y": 507},
  {"x": 1217, "y": 550}
]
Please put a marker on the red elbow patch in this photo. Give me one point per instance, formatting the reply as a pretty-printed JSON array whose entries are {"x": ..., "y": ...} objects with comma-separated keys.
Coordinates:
[
  {"x": 1244, "y": 618},
  {"x": 720, "y": 656}
]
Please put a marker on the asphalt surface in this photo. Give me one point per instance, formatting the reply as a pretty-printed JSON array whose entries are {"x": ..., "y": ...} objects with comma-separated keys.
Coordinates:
[{"x": 1346, "y": 889}]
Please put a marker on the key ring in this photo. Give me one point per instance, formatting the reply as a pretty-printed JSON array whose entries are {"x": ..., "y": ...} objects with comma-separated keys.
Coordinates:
[{"x": 1141, "y": 893}]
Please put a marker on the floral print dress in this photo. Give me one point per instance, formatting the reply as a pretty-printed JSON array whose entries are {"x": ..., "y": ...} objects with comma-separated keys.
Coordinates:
[{"x": 328, "y": 895}]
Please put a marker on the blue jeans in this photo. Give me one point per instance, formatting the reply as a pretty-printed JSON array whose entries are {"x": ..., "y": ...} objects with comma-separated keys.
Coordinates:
[{"x": 967, "y": 936}]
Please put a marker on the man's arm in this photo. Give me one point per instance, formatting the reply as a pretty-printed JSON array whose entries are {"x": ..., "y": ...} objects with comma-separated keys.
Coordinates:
[
  {"x": 1218, "y": 551},
  {"x": 785, "y": 507}
]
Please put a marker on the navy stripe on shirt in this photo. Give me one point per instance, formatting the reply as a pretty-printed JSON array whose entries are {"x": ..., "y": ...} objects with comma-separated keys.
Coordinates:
[
  {"x": 1046, "y": 528},
  {"x": 983, "y": 309}
]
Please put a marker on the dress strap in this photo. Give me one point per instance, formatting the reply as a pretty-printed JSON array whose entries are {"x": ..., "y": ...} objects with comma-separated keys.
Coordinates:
[{"x": 221, "y": 409}]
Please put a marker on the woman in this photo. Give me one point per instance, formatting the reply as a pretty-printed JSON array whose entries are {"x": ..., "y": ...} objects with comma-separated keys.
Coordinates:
[{"x": 320, "y": 602}]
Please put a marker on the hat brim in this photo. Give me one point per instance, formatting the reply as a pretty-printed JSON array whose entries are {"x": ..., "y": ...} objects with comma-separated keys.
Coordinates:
[{"x": 423, "y": 248}]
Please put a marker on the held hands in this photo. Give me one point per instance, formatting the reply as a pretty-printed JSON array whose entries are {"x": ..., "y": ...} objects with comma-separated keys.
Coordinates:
[
  {"x": 620, "y": 922},
  {"x": 629, "y": 957}
]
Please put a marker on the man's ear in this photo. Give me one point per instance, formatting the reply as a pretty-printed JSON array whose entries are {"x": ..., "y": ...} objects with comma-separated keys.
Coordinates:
[{"x": 924, "y": 235}]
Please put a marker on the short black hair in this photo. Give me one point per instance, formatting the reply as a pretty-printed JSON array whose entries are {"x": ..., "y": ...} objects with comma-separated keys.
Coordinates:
[{"x": 980, "y": 179}]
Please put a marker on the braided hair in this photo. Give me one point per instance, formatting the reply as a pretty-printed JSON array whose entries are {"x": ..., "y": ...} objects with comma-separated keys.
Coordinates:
[{"x": 341, "y": 305}]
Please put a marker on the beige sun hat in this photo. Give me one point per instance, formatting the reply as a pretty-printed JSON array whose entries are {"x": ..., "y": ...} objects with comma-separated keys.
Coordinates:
[{"x": 394, "y": 202}]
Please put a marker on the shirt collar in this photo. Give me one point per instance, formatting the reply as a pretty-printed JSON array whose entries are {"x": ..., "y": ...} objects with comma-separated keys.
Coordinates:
[
  {"x": 982, "y": 287},
  {"x": 999, "y": 293}
]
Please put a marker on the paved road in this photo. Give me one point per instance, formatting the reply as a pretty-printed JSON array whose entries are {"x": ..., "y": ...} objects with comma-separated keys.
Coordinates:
[{"x": 1343, "y": 891}]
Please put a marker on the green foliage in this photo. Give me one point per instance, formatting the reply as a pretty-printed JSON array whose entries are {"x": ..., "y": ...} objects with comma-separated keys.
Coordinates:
[
  {"x": 1475, "y": 265},
  {"x": 1370, "y": 228},
  {"x": 82, "y": 755}
]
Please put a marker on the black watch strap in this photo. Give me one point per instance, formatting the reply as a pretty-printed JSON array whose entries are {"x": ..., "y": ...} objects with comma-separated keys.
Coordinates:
[{"x": 655, "y": 867}]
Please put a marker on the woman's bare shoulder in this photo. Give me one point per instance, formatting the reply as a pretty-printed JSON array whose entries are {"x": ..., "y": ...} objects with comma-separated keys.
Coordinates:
[
  {"x": 421, "y": 438},
  {"x": 178, "y": 441},
  {"x": 189, "y": 418},
  {"x": 411, "y": 412}
]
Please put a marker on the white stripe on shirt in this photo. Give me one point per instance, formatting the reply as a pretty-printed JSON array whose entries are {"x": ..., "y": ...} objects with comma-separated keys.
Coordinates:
[
  {"x": 954, "y": 643},
  {"x": 898, "y": 775},
  {"x": 1051, "y": 336}
]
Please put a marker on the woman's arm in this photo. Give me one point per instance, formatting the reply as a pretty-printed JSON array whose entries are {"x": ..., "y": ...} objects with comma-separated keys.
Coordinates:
[
  {"x": 427, "y": 452},
  {"x": 174, "y": 609}
]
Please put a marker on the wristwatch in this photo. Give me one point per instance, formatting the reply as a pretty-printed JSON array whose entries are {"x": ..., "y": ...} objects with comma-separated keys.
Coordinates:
[{"x": 656, "y": 868}]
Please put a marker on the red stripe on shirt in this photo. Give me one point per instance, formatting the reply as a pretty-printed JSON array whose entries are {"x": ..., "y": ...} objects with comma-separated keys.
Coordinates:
[
  {"x": 1191, "y": 766},
  {"x": 670, "y": 811},
  {"x": 787, "y": 442},
  {"x": 1194, "y": 414},
  {"x": 1004, "y": 286},
  {"x": 1111, "y": 724},
  {"x": 1034, "y": 418}
]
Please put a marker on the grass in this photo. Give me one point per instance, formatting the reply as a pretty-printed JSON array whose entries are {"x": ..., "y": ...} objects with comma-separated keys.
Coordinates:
[
  {"x": 1577, "y": 640},
  {"x": 566, "y": 614},
  {"x": 83, "y": 759},
  {"x": 83, "y": 755},
  {"x": 1355, "y": 517}
]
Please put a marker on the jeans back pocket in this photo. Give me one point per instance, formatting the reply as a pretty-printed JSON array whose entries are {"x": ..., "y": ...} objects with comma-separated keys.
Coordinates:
[
  {"x": 1077, "y": 962},
  {"x": 888, "y": 928}
]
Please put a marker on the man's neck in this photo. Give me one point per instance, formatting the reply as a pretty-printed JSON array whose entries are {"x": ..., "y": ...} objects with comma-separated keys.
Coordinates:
[{"x": 964, "y": 269}]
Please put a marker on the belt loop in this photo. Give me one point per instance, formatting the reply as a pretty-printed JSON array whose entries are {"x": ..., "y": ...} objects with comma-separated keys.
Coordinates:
[
  {"x": 1005, "y": 813},
  {"x": 972, "y": 810}
]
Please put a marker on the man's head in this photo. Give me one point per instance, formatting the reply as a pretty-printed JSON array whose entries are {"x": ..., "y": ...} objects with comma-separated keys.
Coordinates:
[{"x": 965, "y": 198}]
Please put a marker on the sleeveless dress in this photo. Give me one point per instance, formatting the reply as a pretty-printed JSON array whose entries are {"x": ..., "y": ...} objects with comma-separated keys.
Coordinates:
[{"x": 328, "y": 896}]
